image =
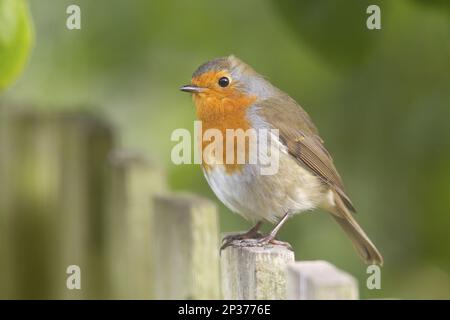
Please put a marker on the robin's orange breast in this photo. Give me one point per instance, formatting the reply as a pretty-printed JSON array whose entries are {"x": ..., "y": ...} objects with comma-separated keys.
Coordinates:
[{"x": 222, "y": 113}]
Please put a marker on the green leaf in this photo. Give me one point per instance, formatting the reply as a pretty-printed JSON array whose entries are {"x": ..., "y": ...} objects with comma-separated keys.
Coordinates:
[{"x": 16, "y": 33}]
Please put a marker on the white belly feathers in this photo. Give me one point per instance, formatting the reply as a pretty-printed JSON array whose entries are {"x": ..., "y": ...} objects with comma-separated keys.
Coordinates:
[{"x": 266, "y": 197}]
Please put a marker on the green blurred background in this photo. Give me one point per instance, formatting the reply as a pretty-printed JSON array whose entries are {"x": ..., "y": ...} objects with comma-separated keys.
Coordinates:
[{"x": 380, "y": 98}]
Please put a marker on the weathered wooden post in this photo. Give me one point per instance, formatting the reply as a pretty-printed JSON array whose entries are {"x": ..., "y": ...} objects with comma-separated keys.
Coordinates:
[
  {"x": 86, "y": 142},
  {"x": 7, "y": 274},
  {"x": 186, "y": 240},
  {"x": 6, "y": 267},
  {"x": 255, "y": 272},
  {"x": 320, "y": 280},
  {"x": 54, "y": 167},
  {"x": 29, "y": 186},
  {"x": 132, "y": 184}
]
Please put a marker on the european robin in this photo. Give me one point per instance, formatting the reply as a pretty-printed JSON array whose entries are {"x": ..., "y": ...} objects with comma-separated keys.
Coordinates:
[{"x": 229, "y": 94}]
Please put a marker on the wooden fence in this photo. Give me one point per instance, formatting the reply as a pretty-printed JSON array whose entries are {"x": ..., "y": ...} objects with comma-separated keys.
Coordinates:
[{"x": 70, "y": 196}]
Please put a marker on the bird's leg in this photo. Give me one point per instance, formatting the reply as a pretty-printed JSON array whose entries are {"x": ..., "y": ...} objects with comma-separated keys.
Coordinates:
[
  {"x": 270, "y": 238},
  {"x": 250, "y": 234}
]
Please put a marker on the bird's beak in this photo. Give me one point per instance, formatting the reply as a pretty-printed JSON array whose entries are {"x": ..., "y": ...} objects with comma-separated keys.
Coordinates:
[{"x": 191, "y": 88}]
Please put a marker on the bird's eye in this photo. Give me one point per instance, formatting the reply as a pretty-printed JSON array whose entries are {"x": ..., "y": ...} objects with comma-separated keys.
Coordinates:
[{"x": 224, "y": 82}]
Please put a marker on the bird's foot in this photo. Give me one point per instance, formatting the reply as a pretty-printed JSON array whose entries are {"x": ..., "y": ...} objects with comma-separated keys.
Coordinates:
[
  {"x": 230, "y": 239},
  {"x": 261, "y": 241},
  {"x": 269, "y": 239}
]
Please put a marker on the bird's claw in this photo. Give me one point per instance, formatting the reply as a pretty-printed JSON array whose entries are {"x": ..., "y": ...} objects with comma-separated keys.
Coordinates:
[
  {"x": 228, "y": 240},
  {"x": 260, "y": 241},
  {"x": 241, "y": 236}
]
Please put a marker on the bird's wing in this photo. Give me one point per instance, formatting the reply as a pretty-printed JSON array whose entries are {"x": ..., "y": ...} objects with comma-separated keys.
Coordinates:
[{"x": 301, "y": 137}]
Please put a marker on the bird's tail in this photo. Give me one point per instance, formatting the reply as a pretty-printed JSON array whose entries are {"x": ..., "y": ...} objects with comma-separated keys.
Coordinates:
[{"x": 366, "y": 249}]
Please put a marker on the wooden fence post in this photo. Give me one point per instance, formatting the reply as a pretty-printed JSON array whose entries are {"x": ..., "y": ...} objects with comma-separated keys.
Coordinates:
[
  {"x": 320, "y": 280},
  {"x": 133, "y": 181},
  {"x": 8, "y": 282},
  {"x": 255, "y": 272},
  {"x": 86, "y": 142},
  {"x": 186, "y": 240},
  {"x": 29, "y": 211},
  {"x": 54, "y": 167},
  {"x": 6, "y": 239}
]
